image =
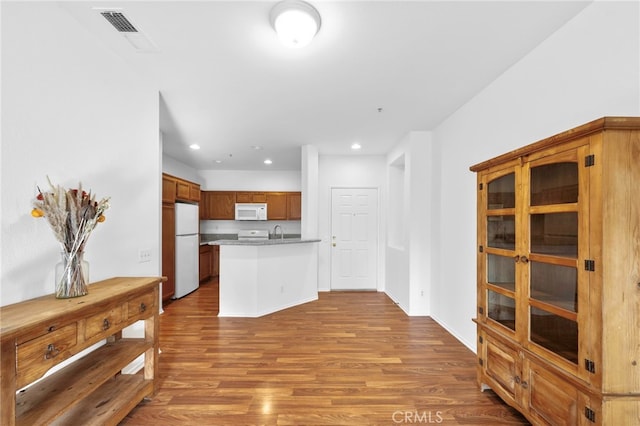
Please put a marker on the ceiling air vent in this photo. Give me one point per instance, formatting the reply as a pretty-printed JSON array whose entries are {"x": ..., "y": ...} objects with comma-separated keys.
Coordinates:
[{"x": 119, "y": 21}]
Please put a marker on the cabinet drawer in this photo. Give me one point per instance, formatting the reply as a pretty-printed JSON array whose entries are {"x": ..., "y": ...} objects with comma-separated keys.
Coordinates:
[
  {"x": 37, "y": 356},
  {"x": 142, "y": 306},
  {"x": 102, "y": 322}
]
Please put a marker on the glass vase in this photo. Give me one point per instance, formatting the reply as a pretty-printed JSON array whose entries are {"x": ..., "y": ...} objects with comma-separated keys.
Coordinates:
[{"x": 72, "y": 275}]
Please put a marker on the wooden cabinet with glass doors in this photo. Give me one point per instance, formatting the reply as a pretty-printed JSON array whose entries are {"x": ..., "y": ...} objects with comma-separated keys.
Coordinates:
[{"x": 558, "y": 272}]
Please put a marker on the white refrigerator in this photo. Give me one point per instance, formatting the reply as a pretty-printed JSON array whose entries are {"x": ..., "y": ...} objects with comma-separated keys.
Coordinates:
[{"x": 187, "y": 249}]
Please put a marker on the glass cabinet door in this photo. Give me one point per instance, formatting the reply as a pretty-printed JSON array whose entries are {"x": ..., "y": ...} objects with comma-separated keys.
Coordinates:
[
  {"x": 499, "y": 248},
  {"x": 554, "y": 216}
]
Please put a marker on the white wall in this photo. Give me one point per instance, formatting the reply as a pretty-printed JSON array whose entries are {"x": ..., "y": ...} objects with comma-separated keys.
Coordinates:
[
  {"x": 71, "y": 110},
  {"x": 587, "y": 69},
  {"x": 310, "y": 197},
  {"x": 250, "y": 180},
  {"x": 348, "y": 172},
  {"x": 412, "y": 177},
  {"x": 422, "y": 179},
  {"x": 177, "y": 168}
]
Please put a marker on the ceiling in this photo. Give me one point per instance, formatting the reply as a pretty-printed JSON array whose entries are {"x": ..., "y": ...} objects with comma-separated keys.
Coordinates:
[{"x": 375, "y": 71}]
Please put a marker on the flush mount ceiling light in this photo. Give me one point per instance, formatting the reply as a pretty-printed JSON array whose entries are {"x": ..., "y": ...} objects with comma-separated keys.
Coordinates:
[
  {"x": 296, "y": 22},
  {"x": 194, "y": 146},
  {"x": 268, "y": 161},
  {"x": 356, "y": 146}
]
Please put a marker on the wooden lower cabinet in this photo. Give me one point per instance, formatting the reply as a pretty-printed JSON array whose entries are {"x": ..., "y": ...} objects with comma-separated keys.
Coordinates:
[
  {"x": 500, "y": 367},
  {"x": 216, "y": 261},
  {"x": 206, "y": 262},
  {"x": 209, "y": 262},
  {"x": 168, "y": 250},
  {"x": 545, "y": 397},
  {"x": 40, "y": 333},
  {"x": 551, "y": 399}
]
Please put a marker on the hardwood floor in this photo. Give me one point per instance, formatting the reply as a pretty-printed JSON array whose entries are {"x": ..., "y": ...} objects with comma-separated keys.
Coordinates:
[{"x": 350, "y": 358}]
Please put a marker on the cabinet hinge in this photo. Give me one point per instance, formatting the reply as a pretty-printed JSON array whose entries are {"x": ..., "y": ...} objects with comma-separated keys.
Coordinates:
[
  {"x": 480, "y": 187},
  {"x": 589, "y": 160},
  {"x": 480, "y": 339},
  {"x": 590, "y": 414},
  {"x": 589, "y": 365},
  {"x": 481, "y": 249},
  {"x": 480, "y": 361},
  {"x": 480, "y": 310},
  {"x": 589, "y": 265}
]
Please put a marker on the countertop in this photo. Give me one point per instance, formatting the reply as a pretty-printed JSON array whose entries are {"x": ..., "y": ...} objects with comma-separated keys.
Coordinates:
[
  {"x": 269, "y": 242},
  {"x": 232, "y": 239}
]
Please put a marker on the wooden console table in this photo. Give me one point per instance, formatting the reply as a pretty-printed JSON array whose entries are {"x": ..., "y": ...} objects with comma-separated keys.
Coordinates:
[{"x": 40, "y": 333}]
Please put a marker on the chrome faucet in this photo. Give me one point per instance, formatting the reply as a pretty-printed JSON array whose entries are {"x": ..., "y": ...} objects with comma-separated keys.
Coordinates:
[{"x": 275, "y": 228}]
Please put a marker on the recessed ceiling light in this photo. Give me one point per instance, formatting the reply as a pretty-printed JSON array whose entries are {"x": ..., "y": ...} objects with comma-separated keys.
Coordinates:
[
  {"x": 356, "y": 146},
  {"x": 218, "y": 161},
  {"x": 267, "y": 161},
  {"x": 194, "y": 146},
  {"x": 256, "y": 147}
]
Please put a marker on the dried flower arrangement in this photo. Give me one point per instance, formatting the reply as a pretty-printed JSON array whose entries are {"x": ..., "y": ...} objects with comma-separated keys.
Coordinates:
[{"x": 72, "y": 214}]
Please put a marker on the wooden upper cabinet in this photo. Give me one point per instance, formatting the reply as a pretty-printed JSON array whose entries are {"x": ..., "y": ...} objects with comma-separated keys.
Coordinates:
[
  {"x": 294, "y": 206},
  {"x": 203, "y": 210},
  {"x": 182, "y": 190},
  {"x": 194, "y": 192},
  {"x": 284, "y": 205},
  {"x": 251, "y": 197},
  {"x": 276, "y": 205},
  {"x": 219, "y": 205},
  {"x": 174, "y": 188},
  {"x": 168, "y": 189}
]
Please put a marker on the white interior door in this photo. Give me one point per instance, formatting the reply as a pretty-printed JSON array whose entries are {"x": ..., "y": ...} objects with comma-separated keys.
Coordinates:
[{"x": 354, "y": 238}]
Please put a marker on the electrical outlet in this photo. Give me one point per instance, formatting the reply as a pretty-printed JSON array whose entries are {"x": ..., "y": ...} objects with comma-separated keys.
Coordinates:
[{"x": 144, "y": 255}]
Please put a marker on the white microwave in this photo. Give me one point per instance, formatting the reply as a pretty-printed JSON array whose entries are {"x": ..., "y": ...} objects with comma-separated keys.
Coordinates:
[{"x": 251, "y": 211}]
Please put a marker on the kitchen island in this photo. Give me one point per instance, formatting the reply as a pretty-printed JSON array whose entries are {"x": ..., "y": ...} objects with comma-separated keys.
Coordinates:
[{"x": 264, "y": 276}]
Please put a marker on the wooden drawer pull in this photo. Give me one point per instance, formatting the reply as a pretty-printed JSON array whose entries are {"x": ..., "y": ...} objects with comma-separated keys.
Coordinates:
[
  {"x": 143, "y": 307},
  {"x": 106, "y": 324},
  {"x": 51, "y": 352}
]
